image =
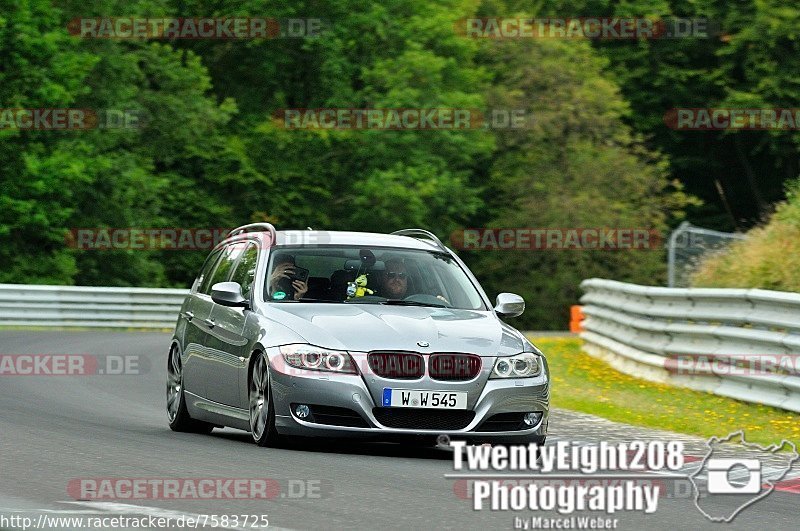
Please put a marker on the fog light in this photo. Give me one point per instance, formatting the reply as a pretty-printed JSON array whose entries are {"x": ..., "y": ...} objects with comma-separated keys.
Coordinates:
[
  {"x": 532, "y": 419},
  {"x": 302, "y": 411}
]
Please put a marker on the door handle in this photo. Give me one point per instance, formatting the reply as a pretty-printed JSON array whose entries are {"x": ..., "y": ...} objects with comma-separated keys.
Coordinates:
[
  {"x": 210, "y": 323},
  {"x": 189, "y": 316}
]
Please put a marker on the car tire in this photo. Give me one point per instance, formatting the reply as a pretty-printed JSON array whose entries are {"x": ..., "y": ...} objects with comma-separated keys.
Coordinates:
[
  {"x": 177, "y": 413},
  {"x": 261, "y": 407}
]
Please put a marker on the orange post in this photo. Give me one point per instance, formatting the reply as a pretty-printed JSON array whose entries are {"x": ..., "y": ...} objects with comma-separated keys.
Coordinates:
[{"x": 576, "y": 319}]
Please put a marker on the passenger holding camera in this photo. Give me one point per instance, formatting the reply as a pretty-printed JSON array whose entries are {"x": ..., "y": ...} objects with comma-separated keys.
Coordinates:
[{"x": 283, "y": 282}]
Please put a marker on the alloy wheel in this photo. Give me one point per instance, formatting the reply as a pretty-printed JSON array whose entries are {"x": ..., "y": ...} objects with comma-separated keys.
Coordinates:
[{"x": 259, "y": 397}]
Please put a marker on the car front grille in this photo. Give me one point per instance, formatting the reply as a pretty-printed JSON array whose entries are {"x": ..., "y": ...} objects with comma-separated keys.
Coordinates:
[
  {"x": 423, "y": 419},
  {"x": 397, "y": 365},
  {"x": 454, "y": 367}
]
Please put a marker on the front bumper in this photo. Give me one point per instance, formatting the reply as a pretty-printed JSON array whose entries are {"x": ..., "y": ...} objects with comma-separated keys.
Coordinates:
[{"x": 487, "y": 397}]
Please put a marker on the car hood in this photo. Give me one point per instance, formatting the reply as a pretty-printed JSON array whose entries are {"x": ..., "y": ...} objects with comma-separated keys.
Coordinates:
[{"x": 366, "y": 327}]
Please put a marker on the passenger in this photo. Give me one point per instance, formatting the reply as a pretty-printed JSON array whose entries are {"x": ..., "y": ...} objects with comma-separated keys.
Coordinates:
[{"x": 281, "y": 281}]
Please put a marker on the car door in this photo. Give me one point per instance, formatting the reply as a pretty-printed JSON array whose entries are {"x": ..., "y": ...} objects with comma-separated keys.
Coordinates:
[
  {"x": 195, "y": 311},
  {"x": 226, "y": 345},
  {"x": 203, "y": 320}
]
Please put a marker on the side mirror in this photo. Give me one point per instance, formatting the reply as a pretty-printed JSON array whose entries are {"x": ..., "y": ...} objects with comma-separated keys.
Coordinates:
[
  {"x": 509, "y": 305},
  {"x": 228, "y": 294}
]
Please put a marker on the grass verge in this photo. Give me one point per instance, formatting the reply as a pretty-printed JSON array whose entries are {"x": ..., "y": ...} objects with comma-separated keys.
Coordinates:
[{"x": 583, "y": 383}]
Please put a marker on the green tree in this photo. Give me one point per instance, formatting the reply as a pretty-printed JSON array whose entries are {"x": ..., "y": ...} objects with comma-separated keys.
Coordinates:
[
  {"x": 41, "y": 68},
  {"x": 395, "y": 54},
  {"x": 577, "y": 165},
  {"x": 175, "y": 170}
]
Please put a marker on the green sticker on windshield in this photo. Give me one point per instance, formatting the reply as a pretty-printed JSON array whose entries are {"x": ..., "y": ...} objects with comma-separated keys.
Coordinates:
[{"x": 279, "y": 295}]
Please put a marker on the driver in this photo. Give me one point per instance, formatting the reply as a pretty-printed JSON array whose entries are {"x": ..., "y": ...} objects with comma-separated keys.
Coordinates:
[{"x": 395, "y": 279}]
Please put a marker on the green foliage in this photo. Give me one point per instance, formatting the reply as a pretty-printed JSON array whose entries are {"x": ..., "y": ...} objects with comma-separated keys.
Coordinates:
[
  {"x": 398, "y": 54},
  {"x": 768, "y": 259},
  {"x": 56, "y": 180},
  {"x": 211, "y": 153},
  {"x": 617, "y": 396},
  {"x": 577, "y": 166},
  {"x": 748, "y": 60},
  {"x": 41, "y": 67}
]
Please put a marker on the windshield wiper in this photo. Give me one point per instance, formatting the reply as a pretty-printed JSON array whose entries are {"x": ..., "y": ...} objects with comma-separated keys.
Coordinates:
[{"x": 399, "y": 302}]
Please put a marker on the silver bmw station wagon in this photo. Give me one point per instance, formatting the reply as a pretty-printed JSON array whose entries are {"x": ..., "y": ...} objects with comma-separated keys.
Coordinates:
[{"x": 347, "y": 334}]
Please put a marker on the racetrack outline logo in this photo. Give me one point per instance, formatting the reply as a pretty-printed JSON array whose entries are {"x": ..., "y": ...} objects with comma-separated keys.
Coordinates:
[{"x": 767, "y": 481}]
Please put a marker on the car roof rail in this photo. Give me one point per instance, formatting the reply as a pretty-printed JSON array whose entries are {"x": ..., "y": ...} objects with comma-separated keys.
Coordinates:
[
  {"x": 255, "y": 227},
  {"x": 416, "y": 233}
]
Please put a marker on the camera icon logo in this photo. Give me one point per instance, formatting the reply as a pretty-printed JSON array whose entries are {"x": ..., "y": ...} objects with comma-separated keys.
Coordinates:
[
  {"x": 721, "y": 473},
  {"x": 735, "y": 474}
]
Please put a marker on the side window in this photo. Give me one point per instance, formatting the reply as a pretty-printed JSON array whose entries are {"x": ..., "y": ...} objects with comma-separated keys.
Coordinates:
[
  {"x": 224, "y": 265},
  {"x": 205, "y": 273},
  {"x": 246, "y": 270}
]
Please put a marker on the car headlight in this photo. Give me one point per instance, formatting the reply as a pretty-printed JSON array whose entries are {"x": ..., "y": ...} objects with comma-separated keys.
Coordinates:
[
  {"x": 314, "y": 358},
  {"x": 525, "y": 365}
]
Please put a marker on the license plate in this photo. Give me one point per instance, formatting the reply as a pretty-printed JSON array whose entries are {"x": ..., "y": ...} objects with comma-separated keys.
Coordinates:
[{"x": 424, "y": 399}]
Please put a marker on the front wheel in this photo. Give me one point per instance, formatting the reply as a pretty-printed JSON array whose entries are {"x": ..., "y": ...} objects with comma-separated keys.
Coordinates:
[
  {"x": 178, "y": 415},
  {"x": 262, "y": 410}
]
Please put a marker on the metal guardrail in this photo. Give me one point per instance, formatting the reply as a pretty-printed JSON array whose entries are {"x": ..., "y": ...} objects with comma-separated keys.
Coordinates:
[
  {"x": 740, "y": 343},
  {"x": 645, "y": 331},
  {"x": 79, "y": 306}
]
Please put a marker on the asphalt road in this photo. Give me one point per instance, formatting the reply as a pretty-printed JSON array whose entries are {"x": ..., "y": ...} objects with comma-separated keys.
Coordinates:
[{"x": 57, "y": 429}]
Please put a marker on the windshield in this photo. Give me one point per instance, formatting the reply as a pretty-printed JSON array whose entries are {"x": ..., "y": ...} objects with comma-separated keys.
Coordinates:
[{"x": 378, "y": 275}]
